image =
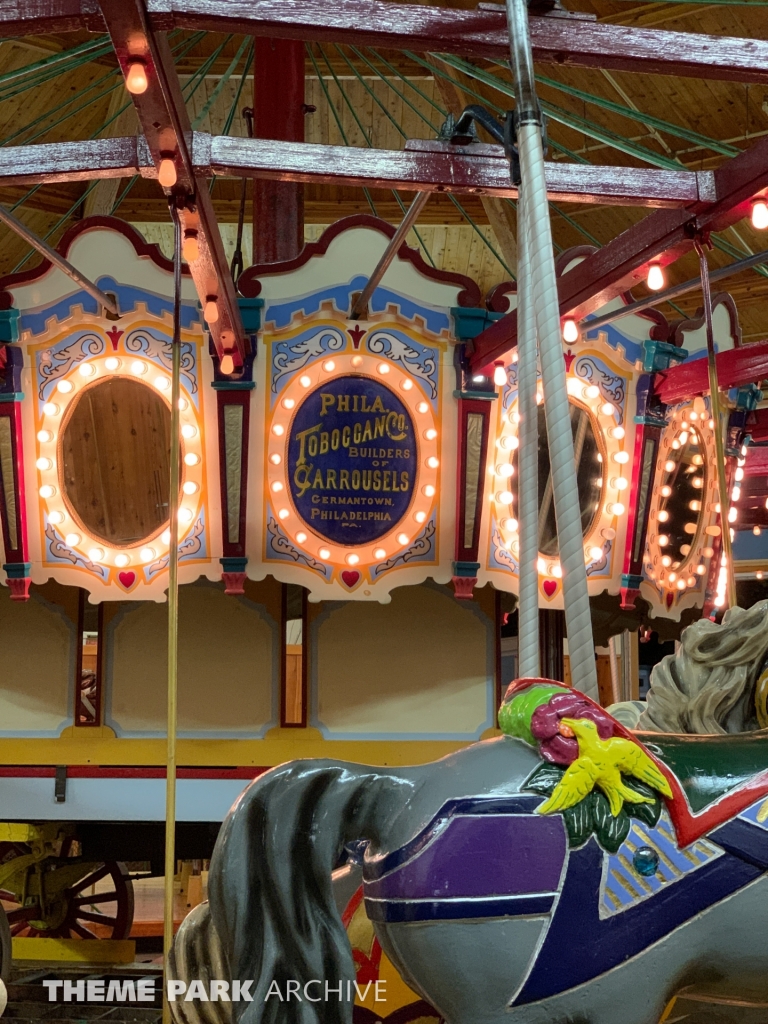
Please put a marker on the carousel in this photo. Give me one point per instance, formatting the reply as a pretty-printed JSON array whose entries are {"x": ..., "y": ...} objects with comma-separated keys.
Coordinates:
[{"x": 382, "y": 595}]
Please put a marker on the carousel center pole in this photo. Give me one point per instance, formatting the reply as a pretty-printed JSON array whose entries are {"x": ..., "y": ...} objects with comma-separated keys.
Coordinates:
[
  {"x": 173, "y": 617},
  {"x": 529, "y": 122},
  {"x": 714, "y": 393}
]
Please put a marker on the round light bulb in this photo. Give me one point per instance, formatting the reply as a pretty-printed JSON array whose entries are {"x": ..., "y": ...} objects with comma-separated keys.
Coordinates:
[
  {"x": 301, "y": 537},
  {"x": 655, "y": 279},
  {"x": 166, "y": 172},
  {"x": 44, "y": 436},
  {"x": 607, "y": 409},
  {"x": 227, "y": 364},
  {"x": 663, "y": 540},
  {"x": 72, "y": 539},
  {"x": 380, "y": 553},
  {"x": 47, "y": 491},
  {"x": 305, "y": 381},
  {"x": 506, "y": 470},
  {"x": 190, "y": 487},
  {"x": 96, "y": 554},
  {"x": 505, "y": 497},
  {"x": 570, "y": 330},
  {"x": 422, "y": 407},
  {"x": 666, "y": 561},
  {"x": 147, "y": 554},
  {"x": 278, "y": 429},
  {"x": 499, "y": 375},
  {"x": 43, "y": 464},
  {"x": 56, "y": 517},
  {"x": 121, "y": 560},
  {"x": 352, "y": 559},
  {"x": 288, "y": 403},
  {"x": 420, "y": 517},
  {"x": 136, "y": 81},
  {"x": 211, "y": 310},
  {"x": 430, "y": 434},
  {"x": 621, "y": 457},
  {"x": 324, "y": 553},
  {"x": 275, "y": 459},
  {"x": 429, "y": 490},
  {"x": 669, "y": 466},
  {"x": 357, "y": 360},
  {"x": 191, "y": 458},
  {"x": 592, "y": 391},
  {"x": 595, "y": 553},
  {"x": 759, "y": 214},
  {"x": 186, "y": 515},
  {"x": 402, "y": 538},
  {"x": 112, "y": 363},
  {"x": 620, "y": 483},
  {"x": 50, "y": 409},
  {"x": 86, "y": 369},
  {"x": 329, "y": 366},
  {"x": 666, "y": 490},
  {"x": 432, "y": 462},
  {"x": 138, "y": 368},
  {"x": 165, "y": 536},
  {"x": 162, "y": 383},
  {"x": 283, "y": 513},
  {"x": 277, "y": 486},
  {"x": 190, "y": 247},
  {"x": 188, "y": 431},
  {"x": 406, "y": 385},
  {"x": 65, "y": 386},
  {"x": 383, "y": 368}
]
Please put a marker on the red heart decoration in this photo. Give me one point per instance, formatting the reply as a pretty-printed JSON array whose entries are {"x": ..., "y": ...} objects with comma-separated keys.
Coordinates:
[
  {"x": 550, "y": 586},
  {"x": 350, "y": 577},
  {"x": 127, "y": 579}
]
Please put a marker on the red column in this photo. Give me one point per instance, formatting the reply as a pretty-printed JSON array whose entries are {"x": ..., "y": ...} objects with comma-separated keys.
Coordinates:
[{"x": 278, "y": 113}]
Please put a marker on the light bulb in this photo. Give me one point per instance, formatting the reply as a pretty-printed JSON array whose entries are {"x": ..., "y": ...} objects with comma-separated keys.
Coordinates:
[
  {"x": 277, "y": 486},
  {"x": 96, "y": 554},
  {"x": 112, "y": 363},
  {"x": 72, "y": 539},
  {"x": 429, "y": 490},
  {"x": 663, "y": 516},
  {"x": 185, "y": 515},
  {"x": 499, "y": 374},
  {"x": 621, "y": 457},
  {"x": 505, "y": 497},
  {"x": 305, "y": 381},
  {"x": 136, "y": 81},
  {"x": 147, "y": 554},
  {"x": 278, "y": 429},
  {"x": 430, "y": 434},
  {"x": 138, "y": 368},
  {"x": 50, "y": 409},
  {"x": 570, "y": 330},
  {"x": 165, "y": 536},
  {"x": 162, "y": 383},
  {"x": 191, "y": 458},
  {"x": 324, "y": 553},
  {"x": 406, "y": 385},
  {"x": 422, "y": 407},
  {"x": 620, "y": 483},
  {"x": 383, "y": 368},
  {"x": 592, "y": 391},
  {"x": 665, "y": 491},
  {"x": 759, "y": 214},
  {"x": 357, "y": 360},
  {"x": 47, "y": 491},
  {"x": 432, "y": 462},
  {"x": 227, "y": 364},
  {"x": 420, "y": 517},
  {"x": 190, "y": 487},
  {"x": 44, "y": 436},
  {"x": 121, "y": 560},
  {"x": 288, "y": 403},
  {"x": 655, "y": 279},
  {"x": 188, "y": 431},
  {"x": 283, "y": 513},
  {"x": 43, "y": 464},
  {"x": 352, "y": 559},
  {"x": 379, "y": 553},
  {"x": 329, "y": 366},
  {"x": 618, "y": 508},
  {"x": 65, "y": 386},
  {"x": 86, "y": 369},
  {"x": 211, "y": 310},
  {"x": 190, "y": 248},
  {"x": 166, "y": 172},
  {"x": 607, "y": 409},
  {"x": 756, "y": 530},
  {"x": 663, "y": 540},
  {"x": 505, "y": 470},
  {"x": 402, "y": 538},
  {"x": 275, "y": 459},
  {"x": 595, "y": 553},
  {"x": 617, "y": 432},
  {"x": 301, "y": 537},
  {"x": 669, "y": 465}
]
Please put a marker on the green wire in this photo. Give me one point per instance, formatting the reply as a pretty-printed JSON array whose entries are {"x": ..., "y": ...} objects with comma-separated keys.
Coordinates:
[
  {"x": 233, "y": 109},
  {"x": 408, "y": 82},
  {"x": 574, "y": 121},
  {"x": 368, "y": 142},
  {"x": 454, "y": 200},
  {"x": 223, "y": 81}
]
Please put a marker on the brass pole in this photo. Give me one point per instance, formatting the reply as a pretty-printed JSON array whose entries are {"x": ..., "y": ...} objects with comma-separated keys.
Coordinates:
[
  {"x": 714, "y": 392},
  {"x": 173, "y": 617}
]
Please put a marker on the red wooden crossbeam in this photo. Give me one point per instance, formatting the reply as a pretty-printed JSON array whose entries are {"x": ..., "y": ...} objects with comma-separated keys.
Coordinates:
[
  {"x": 163, "y": 117},
  {"x": 756, "y": 463},
  {"x": 663, "y": 236},
  {"x": 473, "y": 33},
  {"x": 758, "y": 427},
  {"x": 745, "y": 365},
  {"x": 424, "y": 166}
]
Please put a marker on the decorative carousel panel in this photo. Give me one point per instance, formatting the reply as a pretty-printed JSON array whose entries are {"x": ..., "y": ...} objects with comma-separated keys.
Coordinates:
[
  {"x": 600, "y": 383},
  {"x": 96, "y": 415},
  {"x": 356, "y": 471}
]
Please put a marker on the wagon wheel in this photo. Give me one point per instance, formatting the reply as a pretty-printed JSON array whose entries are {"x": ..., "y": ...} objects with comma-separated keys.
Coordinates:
[{"x": 73, "y": 912}]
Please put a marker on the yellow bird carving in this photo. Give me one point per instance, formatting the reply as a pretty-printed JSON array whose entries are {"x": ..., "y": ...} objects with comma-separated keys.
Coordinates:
[{"x": 600, "y": 763}]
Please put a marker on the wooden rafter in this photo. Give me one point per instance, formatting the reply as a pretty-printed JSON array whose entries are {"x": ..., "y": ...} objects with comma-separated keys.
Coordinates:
[
  {"x": 422, "y": 166},
  {"x": 475, "y": 33}
]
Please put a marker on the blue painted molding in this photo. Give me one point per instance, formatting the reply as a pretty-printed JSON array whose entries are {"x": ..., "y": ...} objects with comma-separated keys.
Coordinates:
[
  {"x": 660, "y": 355},
  {"x": 469, "y": 569},
  {"x": 469, "y": 322},
  {"x": 17, "y": 570},
  {"x": 233, "y": 564},
  {"x": 9, "y": 325},
  {"x": 233, "y": 385},
  {"x": 482, "y": 396}
]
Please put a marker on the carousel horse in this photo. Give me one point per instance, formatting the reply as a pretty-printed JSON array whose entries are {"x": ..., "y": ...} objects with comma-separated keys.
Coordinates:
[{"x": 567, "y": 872}]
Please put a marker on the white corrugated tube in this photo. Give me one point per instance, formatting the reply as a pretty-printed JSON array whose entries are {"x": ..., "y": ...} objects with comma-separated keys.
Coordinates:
[
  {"x": 527, "y": 460},
  {"x": 578, "y": 619}
]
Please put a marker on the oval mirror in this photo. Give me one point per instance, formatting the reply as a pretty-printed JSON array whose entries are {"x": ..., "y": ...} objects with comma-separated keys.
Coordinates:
[
  {"x": 683, "y": 482},
  {"x": 114, "y": 461},
  {"x": 589, "y": 472}
]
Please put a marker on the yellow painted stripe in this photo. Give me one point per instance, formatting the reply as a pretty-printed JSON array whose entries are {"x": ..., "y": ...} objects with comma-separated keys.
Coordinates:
[{"x": 84, "y": 951}]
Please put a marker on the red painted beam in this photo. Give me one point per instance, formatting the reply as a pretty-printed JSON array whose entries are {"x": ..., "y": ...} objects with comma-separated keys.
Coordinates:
[
  {"x": 745, "y": 365},
  {"x": 278, "y": 113},
  {"x": 163, "y": 116},
  {"x": 757, "y": 426},
  {"x": 441, "y": 167},
  {"x": 757, "y": 458},
  {"x": 663, "y": 236},
  {"x": 480, "y": 32}
]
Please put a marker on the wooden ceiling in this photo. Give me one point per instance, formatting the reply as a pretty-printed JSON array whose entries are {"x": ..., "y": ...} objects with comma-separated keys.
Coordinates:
[{"x": 365, "y": 101}]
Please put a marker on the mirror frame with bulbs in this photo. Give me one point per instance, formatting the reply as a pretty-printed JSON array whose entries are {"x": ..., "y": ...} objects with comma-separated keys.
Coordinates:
[{"x": 704, "y": 544}]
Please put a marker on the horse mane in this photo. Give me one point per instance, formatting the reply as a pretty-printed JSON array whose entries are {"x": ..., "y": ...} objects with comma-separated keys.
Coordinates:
[{"x": 707, "y": 686}]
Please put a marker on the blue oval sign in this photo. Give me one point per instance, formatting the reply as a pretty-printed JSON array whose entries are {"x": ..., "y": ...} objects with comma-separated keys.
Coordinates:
[{"x": 352, "y": 457}]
